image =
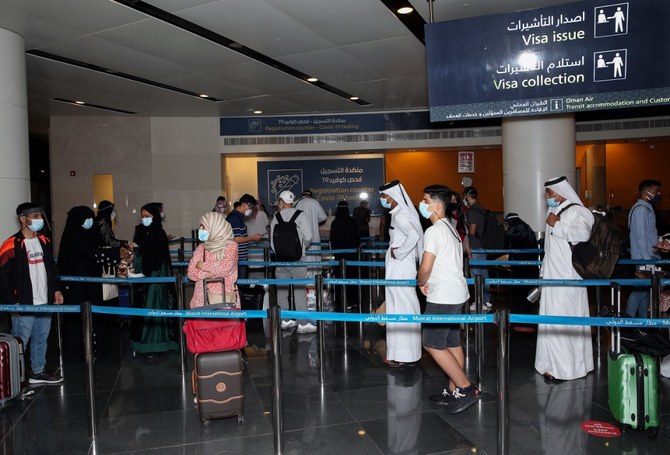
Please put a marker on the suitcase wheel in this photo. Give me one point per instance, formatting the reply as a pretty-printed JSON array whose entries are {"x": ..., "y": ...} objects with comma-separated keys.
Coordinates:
[
  {"x": 240, "y": 419},
  {"x": 205, "y": 422},
  {"x": 653, "y": 432}
]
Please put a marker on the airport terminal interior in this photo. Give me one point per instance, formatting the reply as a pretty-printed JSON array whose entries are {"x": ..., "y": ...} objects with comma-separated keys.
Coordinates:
[{"x": 181, "y": 101}]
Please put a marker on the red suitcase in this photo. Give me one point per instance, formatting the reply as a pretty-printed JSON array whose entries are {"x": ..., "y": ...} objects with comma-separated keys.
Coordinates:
[
  {"x": 12, "y": 368},
  {"x": 218, "y": 384}
]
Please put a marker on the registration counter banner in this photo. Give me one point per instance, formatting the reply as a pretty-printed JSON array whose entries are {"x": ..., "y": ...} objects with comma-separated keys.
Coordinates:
[
  {"x": 588, "y": 55},
  {"x": 331, "y": 180}
]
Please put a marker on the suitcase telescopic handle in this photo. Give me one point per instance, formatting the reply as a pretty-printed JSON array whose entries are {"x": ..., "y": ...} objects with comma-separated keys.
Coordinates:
[{"x": 615, "y": 335}]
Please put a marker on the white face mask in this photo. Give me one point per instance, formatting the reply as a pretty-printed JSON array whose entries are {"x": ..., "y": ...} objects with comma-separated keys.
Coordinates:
[
  {"x": 162, "y": 215},
  {"x": 248, "y": 212},
  {"x": 113, "y": 215}
]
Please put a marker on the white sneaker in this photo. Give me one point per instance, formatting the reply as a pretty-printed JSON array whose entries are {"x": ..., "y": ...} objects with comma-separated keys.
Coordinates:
[
  {"x": 486, "y": 306},
  {"x": 288, "y": 324},
  {"x": 306, "y": 328}
]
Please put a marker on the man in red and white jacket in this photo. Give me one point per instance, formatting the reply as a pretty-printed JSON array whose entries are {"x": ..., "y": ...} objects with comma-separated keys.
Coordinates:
[{"x": 28, "y": 276}]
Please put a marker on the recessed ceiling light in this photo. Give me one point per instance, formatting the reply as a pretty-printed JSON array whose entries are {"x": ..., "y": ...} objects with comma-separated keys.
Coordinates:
[
  {"x": 204, "y": 96},
  {"x": 312, "y": 79},
  {"x": 405, "y": 10},
  {"x": 79, "y": 102},
  {"x": 258, "y": 112},
  {"x": 353, "y": 98}
]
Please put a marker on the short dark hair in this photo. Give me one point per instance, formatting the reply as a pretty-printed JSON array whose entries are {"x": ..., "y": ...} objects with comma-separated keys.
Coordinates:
[
  {"x": 646, "y": 184},
  {"x": 248, "y": 199},
  {"x": 441, "y": 193},
  {"x": 471, "y": 191},
  {"x": 26, "y": 206},
  {"x": 220, "y": 198}
]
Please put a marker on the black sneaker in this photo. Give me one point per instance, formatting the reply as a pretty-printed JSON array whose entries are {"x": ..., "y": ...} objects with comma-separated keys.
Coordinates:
[
  {"x": 443, "y": 399},
  {"x": 463, "y": 399},
  {"x": 44, "y": 378}
]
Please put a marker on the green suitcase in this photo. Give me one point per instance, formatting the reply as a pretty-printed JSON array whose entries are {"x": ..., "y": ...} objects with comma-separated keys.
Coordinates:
[{"x": 632, "y": 383}]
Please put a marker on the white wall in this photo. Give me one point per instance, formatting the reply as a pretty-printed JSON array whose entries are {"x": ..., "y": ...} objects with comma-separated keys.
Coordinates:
[
  {"x": 186, "y": 171},
  {"x": 176, "y": 161}
]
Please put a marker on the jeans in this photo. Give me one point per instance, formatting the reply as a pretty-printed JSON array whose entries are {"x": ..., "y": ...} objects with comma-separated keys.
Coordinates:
[
  {"x": 638, "y": 304},
  {"x": 484, "y": 271},
  {"x": 34, "y": 328},
  {"x": 298, "y": 273}
]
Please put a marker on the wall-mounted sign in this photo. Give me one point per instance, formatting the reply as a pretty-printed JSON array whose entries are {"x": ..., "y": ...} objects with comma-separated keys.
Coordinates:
[
  {"x": 588, "y": 55},
  {"x": 331, "y": 180},
  {"x": 466, "y": 162}
]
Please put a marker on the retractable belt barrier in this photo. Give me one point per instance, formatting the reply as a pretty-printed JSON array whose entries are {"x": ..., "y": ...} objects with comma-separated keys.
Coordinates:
[{"x": 502, "y": 318}]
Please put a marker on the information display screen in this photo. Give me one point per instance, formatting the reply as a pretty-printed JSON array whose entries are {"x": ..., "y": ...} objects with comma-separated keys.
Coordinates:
[{"x": 589, "y": 55}]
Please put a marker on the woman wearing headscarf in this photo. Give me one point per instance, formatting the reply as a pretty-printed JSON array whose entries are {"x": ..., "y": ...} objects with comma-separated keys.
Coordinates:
[
  {"x": 345, "y": 234},
  {"x": 76, "y": 257},
  {"x": 406, "y": 245},
  {"x": 118, "y": 253},
  {"x": 215, "y": 257},
  {"x": 154, "y": 334}
]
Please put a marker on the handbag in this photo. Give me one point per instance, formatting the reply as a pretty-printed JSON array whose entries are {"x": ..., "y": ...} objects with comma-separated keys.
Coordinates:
[
  {"x": 211, "y": 335},
  {"x": 109, "y": 291},
  {"x": 227, "y": 301}
]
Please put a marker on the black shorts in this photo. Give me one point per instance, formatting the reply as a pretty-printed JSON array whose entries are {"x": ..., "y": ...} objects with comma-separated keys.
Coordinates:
[{"x": 442, "y": 336}]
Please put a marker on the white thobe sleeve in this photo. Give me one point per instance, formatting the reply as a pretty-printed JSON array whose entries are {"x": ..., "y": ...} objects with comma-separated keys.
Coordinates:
[{"x": 412, "y": 237}]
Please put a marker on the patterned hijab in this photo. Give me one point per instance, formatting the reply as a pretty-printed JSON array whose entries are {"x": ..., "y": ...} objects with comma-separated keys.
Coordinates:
[{"x": 220, "y": 233}]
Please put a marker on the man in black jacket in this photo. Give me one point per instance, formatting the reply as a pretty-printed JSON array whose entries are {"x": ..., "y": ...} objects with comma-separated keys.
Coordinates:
[{"x": 28, "y": 277}]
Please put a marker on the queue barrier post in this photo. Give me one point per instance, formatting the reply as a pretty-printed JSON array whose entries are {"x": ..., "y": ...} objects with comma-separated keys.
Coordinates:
[
  {"x": 479, "y": 329},
  {"x": 181, "y": 306},
  {"x": 59, "y": 333},
  {"x": 359, "y": 257},
  {"x": 182, "y": 247},
  {"x": 87, "y": 330},
  {"x": 277, "y": 420},
  {"x": 343, "y": 298},
  {"x": 321, "y": 325},
  {"x": 266, "y": 259},
  {"x": 503, "y": 376}
]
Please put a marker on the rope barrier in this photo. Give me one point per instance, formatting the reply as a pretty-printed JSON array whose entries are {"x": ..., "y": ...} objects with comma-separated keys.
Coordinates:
[
  {"x": 51, "y": 308},
  {"x": 113, "y": 280},
  {"x": 587, "y": 321}
]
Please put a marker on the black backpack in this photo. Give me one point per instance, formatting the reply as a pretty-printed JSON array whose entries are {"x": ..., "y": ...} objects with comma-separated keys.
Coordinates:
[
  {"x": 493, "y": 233},
  {"x": 597, "y": 257},
  {"x": 285, "y": 239}
]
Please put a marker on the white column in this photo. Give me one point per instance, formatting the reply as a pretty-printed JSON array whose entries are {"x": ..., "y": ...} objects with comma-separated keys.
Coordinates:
[
  {"x": 14, "y": 152},
  {"x": 535, "y": 149}
]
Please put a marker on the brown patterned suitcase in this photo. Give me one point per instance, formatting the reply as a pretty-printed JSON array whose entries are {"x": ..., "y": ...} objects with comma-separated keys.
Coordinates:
[{"x": 219, "y": 385}]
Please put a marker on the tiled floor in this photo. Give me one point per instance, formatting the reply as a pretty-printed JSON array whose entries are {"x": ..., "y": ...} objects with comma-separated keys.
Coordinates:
[{"x": 146, "y": 407}]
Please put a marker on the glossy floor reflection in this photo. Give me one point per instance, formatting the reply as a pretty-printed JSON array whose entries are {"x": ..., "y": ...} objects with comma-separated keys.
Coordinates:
[{"x": 146, "y": 406}]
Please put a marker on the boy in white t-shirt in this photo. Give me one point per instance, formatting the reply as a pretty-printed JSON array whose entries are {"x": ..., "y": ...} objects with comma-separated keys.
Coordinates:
[{"x": 441, "y": 280}]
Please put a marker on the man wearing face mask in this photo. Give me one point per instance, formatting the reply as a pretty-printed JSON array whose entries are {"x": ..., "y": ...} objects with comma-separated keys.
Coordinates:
[
  {"x": 403, "y": 340},
  {"x": 643, "y": 238},
  {"x": 28, "y": 277},
  {"x": 236, "y": 220},
  {"x": 563, "y": 352}
]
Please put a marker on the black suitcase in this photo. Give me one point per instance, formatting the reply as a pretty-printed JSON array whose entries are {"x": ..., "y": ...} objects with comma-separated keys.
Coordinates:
[
  {"x": 218, "y": 385},
  {"x": 251, "y": 298}
]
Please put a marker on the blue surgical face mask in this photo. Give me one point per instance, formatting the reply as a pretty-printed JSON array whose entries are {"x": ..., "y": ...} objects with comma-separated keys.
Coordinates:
[
  {"x": 385, "y": 203},
  {"x": 147, "y": 221},
  {"x": 36, "y": 225},
  {"x": 88, "y": 223},
  {"x": 203, "y": 235},
  {"x": 423, "y": 209},
  {"x": 552, "y": 202}
]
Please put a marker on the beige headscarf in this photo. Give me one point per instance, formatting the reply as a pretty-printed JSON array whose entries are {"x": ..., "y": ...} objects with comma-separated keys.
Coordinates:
[{"x": 220, "y": 233}]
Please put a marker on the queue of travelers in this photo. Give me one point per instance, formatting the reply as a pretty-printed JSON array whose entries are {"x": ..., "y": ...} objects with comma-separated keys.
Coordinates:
[{"x": 433, "y": 258}]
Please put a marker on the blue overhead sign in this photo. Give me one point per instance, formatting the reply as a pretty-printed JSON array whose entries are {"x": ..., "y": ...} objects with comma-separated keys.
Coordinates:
[
  {"x": 589, "y": 55},
  {"x": 324, "y": 124}
]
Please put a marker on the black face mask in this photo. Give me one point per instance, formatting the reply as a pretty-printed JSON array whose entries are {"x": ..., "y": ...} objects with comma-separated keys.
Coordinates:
[{"x": 453, "y": 206}]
